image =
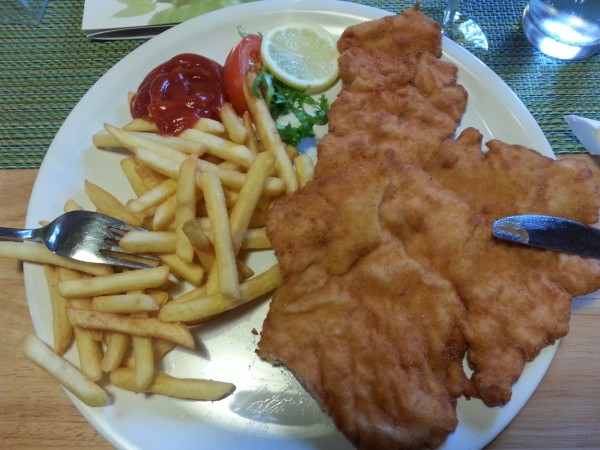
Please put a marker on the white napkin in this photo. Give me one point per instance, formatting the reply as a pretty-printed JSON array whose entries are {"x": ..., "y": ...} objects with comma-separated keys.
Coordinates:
[{"x": 587, "y": 131}]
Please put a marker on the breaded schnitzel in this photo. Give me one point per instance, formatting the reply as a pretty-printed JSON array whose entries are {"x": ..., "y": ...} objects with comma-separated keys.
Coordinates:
[
  {"x": 518, "y": 299},
  {"x": 515, "y": 180},
  {"x": 396, "y": 88},
  {"x": 391, "y": 273},
  {"x": 372, "y": 333}
]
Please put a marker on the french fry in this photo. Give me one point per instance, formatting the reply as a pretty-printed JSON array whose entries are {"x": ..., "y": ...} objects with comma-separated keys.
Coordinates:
[
  {"x": 141, "y": 125},
  {"x": 235, "y": 180},
  {"x": 62, "y": 331},
  {"x": 158, "y": 163},
  {"x": 69, "y": 274},
  {"x": 194, "y": 294},
  {"x": 165, "y": 214},
  {"x": 136, "y": 326},
  {"x": 125, "y": 303},
  {"x": 160, "y": 297},
  {"x": 251, "y": 141},
  {"x": 71, "y": 205},
  {"x": 244, "y": 270},
  {"x": 201, "y": 308},
  {"x": 144, "y": 361},
  {"x": 230, "y": 165},
  {"x": 225, "y": 265},
  {"x": 233, "y": 124},
  {"x": 137, "y": 241},
  {"x": 66, "y": 374},
  {"x": 115, "y": 283},
  {"x": 210, "y": 126},
  {"x": 200, "y": 243},
  {"x": 291, "y": 151},
  {"x": 231, "y": 197},
  {"x": 192, "y": 311},
  {"x": 128, "y": 166},
  {"x": 88, "y": 349},
  {"x": 131, "y": 141},
  {"x": 153, "y": 197},
  {"x": 186, "y": 207},
  {"x": 221, "y": 148},
  {"x": 206, "y": 226},
  {"x": 256, "y": 239},
  {"x": 229, "y": 178},
  {"x": 116, "y": 347},
  {"x": 38, "y": 253},
  {"x": 250, "y": 194},
  {"x": 160, "y": 348},
  {"x": 269, "y": 136},
  {"x": 103, "y": 139},
  {"x": 175, "y": 142},
  {"x": 305, "y": 169},
  {"x": 150, "y": 177},
  {"x": 108, "y": 204},
  {"x": 188, "y": 271},
  {"x": 261, "y": 284},
  {"x": 187, "y": 388}
]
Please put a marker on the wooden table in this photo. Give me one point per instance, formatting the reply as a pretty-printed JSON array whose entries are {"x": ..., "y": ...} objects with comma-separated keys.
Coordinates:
[{"x": 563, "y": 413}]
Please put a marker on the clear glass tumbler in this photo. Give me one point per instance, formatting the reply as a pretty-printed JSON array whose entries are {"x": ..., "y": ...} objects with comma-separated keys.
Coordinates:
[
  {"x": 462, "y": 29},
  {"x": 564, "y": 29},
  {"x": 22, "y": 12}
]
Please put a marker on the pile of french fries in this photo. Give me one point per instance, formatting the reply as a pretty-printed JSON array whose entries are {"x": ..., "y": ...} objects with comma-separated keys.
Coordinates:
[{"x": 202, "y": 197}]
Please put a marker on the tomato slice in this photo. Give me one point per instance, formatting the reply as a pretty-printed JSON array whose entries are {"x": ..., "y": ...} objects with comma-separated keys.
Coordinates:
[{"x": 243, "y": 57}]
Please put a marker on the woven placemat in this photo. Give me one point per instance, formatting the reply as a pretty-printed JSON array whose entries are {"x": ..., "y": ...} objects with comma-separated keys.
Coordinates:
[{"x": 45, "y": 70}]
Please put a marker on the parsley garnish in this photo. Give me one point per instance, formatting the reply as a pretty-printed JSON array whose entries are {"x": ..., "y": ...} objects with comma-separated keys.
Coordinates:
[{"x": 282, "y": 99}]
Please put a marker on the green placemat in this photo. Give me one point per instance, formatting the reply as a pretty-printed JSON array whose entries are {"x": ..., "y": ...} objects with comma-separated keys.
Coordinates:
[{"x": 45, "y": 70}]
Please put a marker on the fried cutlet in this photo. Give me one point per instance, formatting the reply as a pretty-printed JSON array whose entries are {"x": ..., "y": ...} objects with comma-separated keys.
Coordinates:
[
  {"x": 511, "y": 179},
  {"x": 517, "y": 300},
  {"x": 372, "y": 333},
  {"x": 400, "y": 214},
  {"x": 414, "y": 111},
  {"x": 396, "y": 88}
]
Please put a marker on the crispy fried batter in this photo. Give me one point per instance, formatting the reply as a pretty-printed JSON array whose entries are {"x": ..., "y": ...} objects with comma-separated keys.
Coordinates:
[
  {"x": 518, "y": 299},
  {"x": 511, "y": 179},
  {"x": 373, "y": 334},
  {"x": 396, "y": 87},
  {"x": 391, "y": 271}
]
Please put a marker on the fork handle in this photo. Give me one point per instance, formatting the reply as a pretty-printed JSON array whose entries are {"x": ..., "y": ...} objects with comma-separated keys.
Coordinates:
[{"x": 15, "y": 234}]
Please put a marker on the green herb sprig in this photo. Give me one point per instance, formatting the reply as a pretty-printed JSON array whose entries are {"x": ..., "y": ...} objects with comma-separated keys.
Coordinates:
[{"x": 283, "y": 99}]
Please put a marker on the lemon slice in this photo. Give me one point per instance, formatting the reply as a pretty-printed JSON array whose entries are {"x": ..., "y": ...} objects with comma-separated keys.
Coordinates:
[{"x": 301, "y": 55}]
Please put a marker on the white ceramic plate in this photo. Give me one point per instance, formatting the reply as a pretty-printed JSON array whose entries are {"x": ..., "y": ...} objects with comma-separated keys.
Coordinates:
[{"x": 269, "y": 408}]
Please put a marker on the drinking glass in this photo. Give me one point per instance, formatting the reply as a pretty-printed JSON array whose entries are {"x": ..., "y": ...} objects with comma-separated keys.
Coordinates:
[
  {"x": 22, "y": 12},
  {"x": 462, "y": 29},
  {"x": 564, "y": 29}
]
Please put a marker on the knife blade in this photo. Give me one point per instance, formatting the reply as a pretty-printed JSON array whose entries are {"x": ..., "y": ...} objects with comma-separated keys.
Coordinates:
[{"x": 554, "y": 233}]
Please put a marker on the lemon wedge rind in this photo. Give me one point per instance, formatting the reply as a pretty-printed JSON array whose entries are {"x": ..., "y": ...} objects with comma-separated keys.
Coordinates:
[{"x": 301, "y": 55}]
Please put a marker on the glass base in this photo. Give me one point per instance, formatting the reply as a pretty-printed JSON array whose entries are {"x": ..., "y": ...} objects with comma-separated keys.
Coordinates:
[
  {"x": 465, "y": 31},
  {"x": 552, "y": 47},
  {"x": 22, "y": 12}
]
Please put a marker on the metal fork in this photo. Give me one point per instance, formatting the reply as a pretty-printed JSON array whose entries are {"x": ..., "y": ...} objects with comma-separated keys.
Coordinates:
[{"x": 85, "y": 236}]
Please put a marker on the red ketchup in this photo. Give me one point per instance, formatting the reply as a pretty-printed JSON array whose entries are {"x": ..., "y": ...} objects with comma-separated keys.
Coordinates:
[{"x": 179, "y": 92}]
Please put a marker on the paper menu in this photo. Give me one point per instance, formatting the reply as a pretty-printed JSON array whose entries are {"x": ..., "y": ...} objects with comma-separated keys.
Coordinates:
[{"x": 129, "y": 19}]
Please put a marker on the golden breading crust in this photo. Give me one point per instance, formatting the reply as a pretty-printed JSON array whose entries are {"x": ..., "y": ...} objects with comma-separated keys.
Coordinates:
[
  {"x": 372, "y": 333},
  {"x": 396, "y": 89},
  {"x": 391, "y": 273}
]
